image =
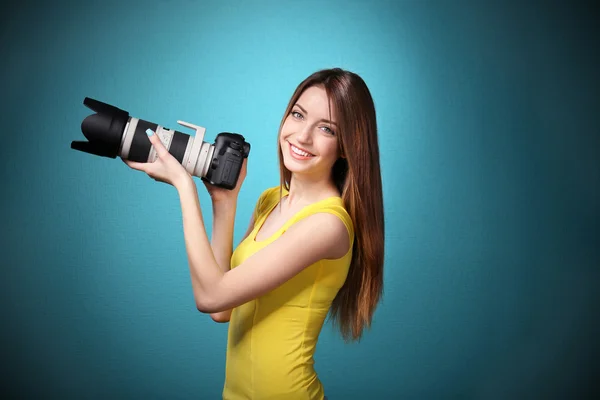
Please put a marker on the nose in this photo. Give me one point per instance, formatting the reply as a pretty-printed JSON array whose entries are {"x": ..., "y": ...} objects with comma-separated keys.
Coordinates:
[{"x": 304, "y": 134}]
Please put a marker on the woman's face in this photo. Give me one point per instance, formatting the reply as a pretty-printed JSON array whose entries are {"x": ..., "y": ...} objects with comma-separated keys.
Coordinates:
[{"x": 308, "y": 139}]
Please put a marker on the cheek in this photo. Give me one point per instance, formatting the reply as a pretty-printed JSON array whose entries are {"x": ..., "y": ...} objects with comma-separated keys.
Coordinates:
[
  {"x": 282, "y": 142},
  {"x": 285, "y": 128},
  {"x": 332, "y": 149}
]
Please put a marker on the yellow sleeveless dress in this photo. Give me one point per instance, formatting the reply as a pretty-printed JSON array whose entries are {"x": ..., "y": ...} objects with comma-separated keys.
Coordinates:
[{"x": 272, "y": 339}]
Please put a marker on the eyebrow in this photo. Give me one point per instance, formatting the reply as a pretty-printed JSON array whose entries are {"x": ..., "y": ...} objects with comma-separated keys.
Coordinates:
[{"x": 322, "y": 119}]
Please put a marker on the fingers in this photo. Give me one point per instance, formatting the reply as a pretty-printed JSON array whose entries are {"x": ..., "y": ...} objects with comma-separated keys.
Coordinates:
[
  {"x": 135, "y": 165},
  {"x": 161, "y": 150}
]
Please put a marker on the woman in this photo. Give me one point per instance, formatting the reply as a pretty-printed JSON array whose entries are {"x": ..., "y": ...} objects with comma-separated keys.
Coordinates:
[{"x": 276, "y": 289}]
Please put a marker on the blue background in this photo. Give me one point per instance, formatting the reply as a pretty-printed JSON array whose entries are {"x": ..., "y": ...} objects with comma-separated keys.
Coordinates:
[{"x": 488, "y": 129}]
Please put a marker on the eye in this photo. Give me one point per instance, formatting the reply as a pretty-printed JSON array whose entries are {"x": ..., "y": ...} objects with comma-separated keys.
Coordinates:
[
  {"x": 296, "y": 114},
  {"x": 328, "y": 130}
]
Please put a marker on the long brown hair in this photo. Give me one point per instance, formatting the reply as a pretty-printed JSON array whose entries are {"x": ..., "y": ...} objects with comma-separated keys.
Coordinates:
[{"x": 357, "y": 176}]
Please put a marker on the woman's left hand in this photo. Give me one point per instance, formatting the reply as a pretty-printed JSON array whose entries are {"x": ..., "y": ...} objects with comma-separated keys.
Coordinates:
[{"x": 165, "y": 168}]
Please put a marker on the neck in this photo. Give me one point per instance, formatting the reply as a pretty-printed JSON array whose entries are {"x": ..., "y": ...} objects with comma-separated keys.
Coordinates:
[{"x": 305, "y": 191}]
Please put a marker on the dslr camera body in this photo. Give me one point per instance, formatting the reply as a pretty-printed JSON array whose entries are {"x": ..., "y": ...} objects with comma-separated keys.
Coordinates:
[{"x": 111, "y": 132}]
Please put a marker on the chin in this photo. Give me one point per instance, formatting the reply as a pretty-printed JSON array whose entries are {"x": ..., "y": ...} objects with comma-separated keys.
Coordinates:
[{"x": 291, "y": 166}]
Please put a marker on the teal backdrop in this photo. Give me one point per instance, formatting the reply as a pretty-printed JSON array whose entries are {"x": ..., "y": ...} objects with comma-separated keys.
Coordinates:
[{"x": 488, "y": 129}]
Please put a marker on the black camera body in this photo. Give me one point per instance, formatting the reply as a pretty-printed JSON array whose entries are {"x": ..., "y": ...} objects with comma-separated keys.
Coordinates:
[
  {"x": 112, "y": 132},
  {"x": 229, "y": 154}
]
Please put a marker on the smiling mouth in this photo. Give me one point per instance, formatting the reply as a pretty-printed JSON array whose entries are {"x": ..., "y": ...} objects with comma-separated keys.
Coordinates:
[{"x": 299, "y": 152}]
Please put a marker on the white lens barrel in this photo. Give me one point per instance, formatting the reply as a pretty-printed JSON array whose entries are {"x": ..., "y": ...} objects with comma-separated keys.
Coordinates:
[
  {"x": 192, "y": 154},
  {"x": 198, "y": 154},
  {"x": 127, "y": 137},
  {"x": 204, "y": 160}
]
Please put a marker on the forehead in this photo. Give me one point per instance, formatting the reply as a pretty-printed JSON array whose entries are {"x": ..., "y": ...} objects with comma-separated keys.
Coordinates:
[{"x": 315, "y": 101}]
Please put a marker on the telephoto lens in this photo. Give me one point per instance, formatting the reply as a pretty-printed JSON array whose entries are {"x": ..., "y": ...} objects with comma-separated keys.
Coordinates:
[{"x": 111, "y": 132}]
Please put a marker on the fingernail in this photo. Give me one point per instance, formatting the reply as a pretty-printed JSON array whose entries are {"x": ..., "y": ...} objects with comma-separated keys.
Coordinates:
[{"x": 149, "y": 132}]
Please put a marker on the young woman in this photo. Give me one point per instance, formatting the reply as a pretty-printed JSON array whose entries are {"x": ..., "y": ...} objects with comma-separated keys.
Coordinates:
[{"x": 315, "y": 242}]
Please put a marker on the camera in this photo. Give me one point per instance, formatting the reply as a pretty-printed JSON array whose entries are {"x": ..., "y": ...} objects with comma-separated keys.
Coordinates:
[{"x": 111, "y": 132}]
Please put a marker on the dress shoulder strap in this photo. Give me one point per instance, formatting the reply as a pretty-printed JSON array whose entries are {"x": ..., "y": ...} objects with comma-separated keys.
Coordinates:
[
  {"x": 268, "y": 198},
  {"x": 331, "y": 205}
]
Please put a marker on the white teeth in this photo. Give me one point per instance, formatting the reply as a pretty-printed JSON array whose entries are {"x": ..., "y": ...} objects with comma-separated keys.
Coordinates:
[{"x": 300, "y": 152}]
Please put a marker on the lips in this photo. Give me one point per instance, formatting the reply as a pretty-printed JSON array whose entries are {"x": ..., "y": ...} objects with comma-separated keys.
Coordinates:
[{"x": 301, "y": 149}]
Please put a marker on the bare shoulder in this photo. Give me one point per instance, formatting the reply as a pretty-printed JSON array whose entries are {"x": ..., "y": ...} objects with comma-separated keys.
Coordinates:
[{"x": 326, "y": 229}]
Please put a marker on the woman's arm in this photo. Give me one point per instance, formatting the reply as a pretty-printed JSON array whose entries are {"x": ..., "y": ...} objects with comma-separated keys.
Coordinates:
[
  {"x": 313, "y": 238},
  {"x": 222, "y": 242},
  {"x": 204, "y": 268}
]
